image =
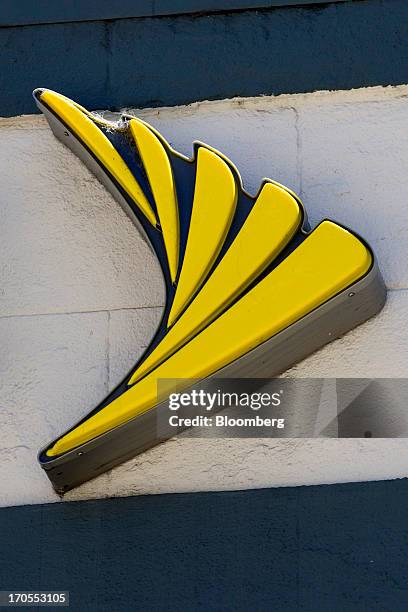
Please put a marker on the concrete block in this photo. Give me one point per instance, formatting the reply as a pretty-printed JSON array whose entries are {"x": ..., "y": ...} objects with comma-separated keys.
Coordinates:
[
  {"x": 53, "y": 370},
  {"x": 354, "y": 157},
  {"x": 66, "y": 245},
  {"x": 130, "y": 332}
]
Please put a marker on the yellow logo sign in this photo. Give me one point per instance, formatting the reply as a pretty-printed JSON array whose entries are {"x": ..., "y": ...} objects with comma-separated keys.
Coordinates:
[{"x": 250, "y": 289}]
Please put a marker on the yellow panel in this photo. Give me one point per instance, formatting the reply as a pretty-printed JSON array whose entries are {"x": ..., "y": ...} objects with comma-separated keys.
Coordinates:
[
  {"x": 160, "y": 174},
  {"x": 272, "y": 222},
  {"x": 215, "y": 198},
  {"x": 82, "y": 125},
  {"x": 328, "y": 261}
]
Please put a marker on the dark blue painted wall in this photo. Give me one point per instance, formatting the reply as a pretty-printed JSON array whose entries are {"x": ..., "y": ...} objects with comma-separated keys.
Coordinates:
[
  {"x": 337, "y": 547},
  {"x": 29, "y": 12},
  {"x": 175, "y": 60}
]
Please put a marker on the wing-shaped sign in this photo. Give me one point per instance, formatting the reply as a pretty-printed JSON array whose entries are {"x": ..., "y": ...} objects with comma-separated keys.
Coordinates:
[{"x": 250, "y": 289}]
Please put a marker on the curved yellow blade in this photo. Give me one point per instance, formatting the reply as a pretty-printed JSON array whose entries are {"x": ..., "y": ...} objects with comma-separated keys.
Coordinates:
[
  {"x": 327, "y": 262},
  {"x": 158, "y": 169},
  {"x": 82, "y": 125},
  {"x": 215, "y": 198},
  {"x": 272, "y": 222}
]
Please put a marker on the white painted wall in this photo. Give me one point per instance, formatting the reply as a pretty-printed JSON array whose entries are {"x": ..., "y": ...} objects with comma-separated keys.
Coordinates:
[{"x": 80, "y": 292}]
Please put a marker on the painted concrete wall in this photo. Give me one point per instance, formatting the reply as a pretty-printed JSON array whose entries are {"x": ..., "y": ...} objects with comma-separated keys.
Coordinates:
[
  {"x": 81, "y": 293},
  {"x": 343, "y": 546},
  {"x": 171, "y": 60}
]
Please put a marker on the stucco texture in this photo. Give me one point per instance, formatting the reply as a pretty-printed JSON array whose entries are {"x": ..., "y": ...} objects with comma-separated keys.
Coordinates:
[{"x": 81, "y": 292}]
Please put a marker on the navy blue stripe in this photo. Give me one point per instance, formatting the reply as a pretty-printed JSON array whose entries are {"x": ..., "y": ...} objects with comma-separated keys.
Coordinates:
[
  {"x": 337, "y": 547},
  {"x": 176, "y": 60},
  {"x": 27, "y": 12}
]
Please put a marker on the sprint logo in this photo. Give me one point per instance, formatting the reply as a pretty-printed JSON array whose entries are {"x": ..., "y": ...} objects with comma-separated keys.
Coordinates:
[{"x": 250, "y": 288}]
